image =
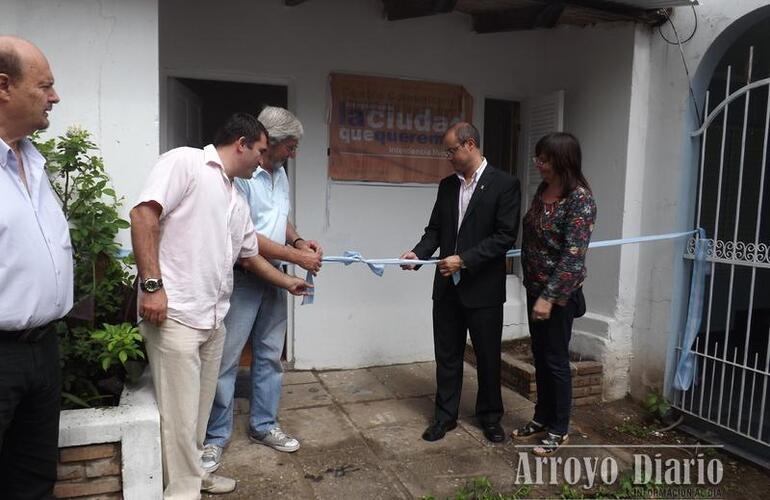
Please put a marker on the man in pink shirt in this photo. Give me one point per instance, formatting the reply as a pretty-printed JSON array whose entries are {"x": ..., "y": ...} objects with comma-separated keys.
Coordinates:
[{"x": 188, "y": 228}]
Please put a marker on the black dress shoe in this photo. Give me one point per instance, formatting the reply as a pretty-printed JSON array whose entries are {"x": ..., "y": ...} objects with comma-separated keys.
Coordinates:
[
  {"x": 494, "y": 432},
  {"x": 438, "y": 430}
]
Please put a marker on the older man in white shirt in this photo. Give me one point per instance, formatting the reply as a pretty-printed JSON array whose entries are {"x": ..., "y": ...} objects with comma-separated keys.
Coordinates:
[
  {"x": 189, "y": 227},
  {"x": 36, "y": 278}
]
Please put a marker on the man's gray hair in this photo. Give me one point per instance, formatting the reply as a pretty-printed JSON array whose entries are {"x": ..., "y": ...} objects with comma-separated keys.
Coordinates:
[{"x": 281, "y": 124}]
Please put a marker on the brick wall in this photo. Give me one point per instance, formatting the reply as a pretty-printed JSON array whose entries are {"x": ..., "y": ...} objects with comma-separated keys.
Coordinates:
[
  {"x": 91, "y": 471},
  {"x": 519, "y": 375}
]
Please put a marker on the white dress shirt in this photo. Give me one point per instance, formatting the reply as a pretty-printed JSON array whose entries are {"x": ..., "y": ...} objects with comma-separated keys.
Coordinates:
[
  {"x": 466, "y": 191},
  {"x": 204, "y": 228},
  {"x": 36, "y": 270}
]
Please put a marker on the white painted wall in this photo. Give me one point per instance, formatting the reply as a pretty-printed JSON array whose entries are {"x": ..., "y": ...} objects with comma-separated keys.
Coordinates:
[
  {"x": 359, "y": 319},
  {"x": 669, "y": 195},
  {"x": 104, "y": 56}
]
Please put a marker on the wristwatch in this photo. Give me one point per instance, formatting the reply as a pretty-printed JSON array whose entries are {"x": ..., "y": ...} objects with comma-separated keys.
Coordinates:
[{"x": 151, "y": 285}]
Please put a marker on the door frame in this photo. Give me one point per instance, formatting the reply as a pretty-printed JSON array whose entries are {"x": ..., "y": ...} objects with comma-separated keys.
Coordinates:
[{"x": 166, "y": 73}]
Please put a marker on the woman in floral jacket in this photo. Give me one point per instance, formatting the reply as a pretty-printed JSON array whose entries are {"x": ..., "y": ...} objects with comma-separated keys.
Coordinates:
[{"x": 557, "y": 230}]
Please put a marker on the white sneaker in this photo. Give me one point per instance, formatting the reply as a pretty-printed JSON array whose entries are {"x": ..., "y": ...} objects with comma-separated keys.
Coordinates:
[
  {"x": 211, "y": 457},
  {"x": 216, "y": 485},
  {"x": 276, "y": 439}
]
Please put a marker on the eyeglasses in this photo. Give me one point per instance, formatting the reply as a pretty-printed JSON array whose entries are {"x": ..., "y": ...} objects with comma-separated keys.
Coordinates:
[
  {"x": 451, "y": 151},
  {"x": 538, "y": 162},
  {"x": 291, "y": 148}
]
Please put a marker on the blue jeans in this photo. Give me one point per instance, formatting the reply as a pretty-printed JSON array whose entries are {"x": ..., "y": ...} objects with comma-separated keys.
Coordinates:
[{"x": 258, "y": 312}]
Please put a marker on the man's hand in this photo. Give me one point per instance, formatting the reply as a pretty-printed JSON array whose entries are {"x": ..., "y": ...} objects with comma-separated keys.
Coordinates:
[
  {"x": 450, "y": 265},
  {"x": 410, "y": 256},
  {"x": 310, "y": 246},
  {"x": 309, "y": 260},
  {"x": 541, "y": 311},
  {"x": 153, "y": 306},
  {"x": 298, "y": 286}
]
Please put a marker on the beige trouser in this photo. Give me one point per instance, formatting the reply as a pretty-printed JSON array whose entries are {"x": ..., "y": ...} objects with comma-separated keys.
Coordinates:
[{"x": 185, "y": 366}]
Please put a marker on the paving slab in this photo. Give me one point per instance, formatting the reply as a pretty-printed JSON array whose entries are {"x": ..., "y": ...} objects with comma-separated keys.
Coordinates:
[
  {"x": 350, "y": 386},
  {"x": 417, "y": 379},
  {"x": 321, "y": 429},
  {"x": 441, "y": 474},
  {"x": 513, "y": 402},
  {"x": 371, "y": 414},
  {"x": 304, "y": 396},
  {"x": 353, "y": 473},
  {"x": 261, "y": 472},
  {"x": 303, "y": 377},
  {"x": 393, "y": 442}
]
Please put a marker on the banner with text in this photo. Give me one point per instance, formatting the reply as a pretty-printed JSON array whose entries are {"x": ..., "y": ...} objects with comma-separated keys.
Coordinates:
[{"x": 390, "y": 129}]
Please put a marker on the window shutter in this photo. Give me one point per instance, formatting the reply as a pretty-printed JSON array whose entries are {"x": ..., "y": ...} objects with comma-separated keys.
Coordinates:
[{"x": 544, "y": 114}]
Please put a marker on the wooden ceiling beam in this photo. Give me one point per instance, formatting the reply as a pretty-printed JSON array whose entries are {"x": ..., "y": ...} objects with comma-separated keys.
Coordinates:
[
  {"x": 631, "y": 13},
  {"x": 526, "y": 18},
  {"x": 548, "y": 14},
  {"x": 396, "y": 10}
]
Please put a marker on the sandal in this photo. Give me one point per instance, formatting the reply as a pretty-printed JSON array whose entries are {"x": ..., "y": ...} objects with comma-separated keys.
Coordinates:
[
  {"x": 550, "y": 444},
  {"x": 529, "y": 429}
]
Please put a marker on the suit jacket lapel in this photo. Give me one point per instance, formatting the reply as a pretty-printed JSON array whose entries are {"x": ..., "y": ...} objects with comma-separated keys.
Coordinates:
[{"x": 478, "y": 193}]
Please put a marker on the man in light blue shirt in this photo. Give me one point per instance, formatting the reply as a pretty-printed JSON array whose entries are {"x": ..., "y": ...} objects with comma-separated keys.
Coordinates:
[
  {"x": 258, "y": 309},
  {"x": 36, "y": 278}
]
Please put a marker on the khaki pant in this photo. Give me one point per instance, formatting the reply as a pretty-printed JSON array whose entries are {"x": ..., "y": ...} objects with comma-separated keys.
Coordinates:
[{"x": 185, "y": 366}]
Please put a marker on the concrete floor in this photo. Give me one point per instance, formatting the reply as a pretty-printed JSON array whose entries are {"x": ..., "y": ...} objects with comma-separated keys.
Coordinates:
[{"x": 360, "y": 434}]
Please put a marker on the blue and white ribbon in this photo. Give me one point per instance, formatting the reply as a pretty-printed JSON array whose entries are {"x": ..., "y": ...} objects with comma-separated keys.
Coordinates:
[
  {"x": 377, "y": 266},
  {"x": 685, "y": 370}
]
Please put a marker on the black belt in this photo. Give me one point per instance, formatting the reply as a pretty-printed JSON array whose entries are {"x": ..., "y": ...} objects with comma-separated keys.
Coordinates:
[{"x": 30, "y": 335}]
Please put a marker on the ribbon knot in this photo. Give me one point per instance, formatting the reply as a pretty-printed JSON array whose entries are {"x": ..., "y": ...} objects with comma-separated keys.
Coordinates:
[{"x": 353, "y": 256}]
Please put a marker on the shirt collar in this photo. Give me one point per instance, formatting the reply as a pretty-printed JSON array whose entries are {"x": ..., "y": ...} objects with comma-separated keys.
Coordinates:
[
  {"x": 34, "y": 156},
  {"x": 261, "y": 171},
  {"x": 477, "y": 174},
  {"x": 211, "y": 157}
]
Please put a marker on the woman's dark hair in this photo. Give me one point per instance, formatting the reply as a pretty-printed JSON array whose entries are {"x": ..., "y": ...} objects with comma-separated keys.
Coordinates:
[
  {"x": 239, "y": 125},
  {"x": 562, "y": 150}
]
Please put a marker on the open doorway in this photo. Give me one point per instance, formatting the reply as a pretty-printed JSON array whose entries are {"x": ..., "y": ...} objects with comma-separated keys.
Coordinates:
[
  {"x": 195, "y": 108},
  {"x": 502, "y": 124}
]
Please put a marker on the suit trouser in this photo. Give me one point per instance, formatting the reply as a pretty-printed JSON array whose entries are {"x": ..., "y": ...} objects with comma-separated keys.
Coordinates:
[
  {"x": 30, "y": 399},
  {"x": 451, "y": 321},
  {"x": 185, "y": 364},
  {"x": 550, "y": 349}
]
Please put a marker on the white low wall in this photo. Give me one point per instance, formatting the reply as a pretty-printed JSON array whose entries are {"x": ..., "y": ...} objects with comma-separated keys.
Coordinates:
[{"x": 135, "y": 423}]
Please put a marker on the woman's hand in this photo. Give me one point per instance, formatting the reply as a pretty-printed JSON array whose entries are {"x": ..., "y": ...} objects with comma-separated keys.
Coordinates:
[{"x": 541, "y": 311}]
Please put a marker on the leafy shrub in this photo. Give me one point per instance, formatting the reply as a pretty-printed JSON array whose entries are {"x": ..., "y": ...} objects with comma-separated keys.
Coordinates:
[
  {"x": 657, "y": 405},
  {"x": 103, "y": 278}
]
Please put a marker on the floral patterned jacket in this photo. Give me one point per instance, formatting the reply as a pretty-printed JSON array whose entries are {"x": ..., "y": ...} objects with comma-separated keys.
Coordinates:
[{"x": 554, "y": 245}]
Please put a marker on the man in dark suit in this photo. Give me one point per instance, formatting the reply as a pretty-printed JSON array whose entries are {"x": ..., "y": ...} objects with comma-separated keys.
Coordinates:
[{"x": 474, "y": 222}]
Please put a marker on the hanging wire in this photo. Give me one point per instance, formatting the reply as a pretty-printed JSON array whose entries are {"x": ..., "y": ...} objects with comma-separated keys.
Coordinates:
[
  {"x": 679, "y": 43},
  {"x": 694, "y": 29}
]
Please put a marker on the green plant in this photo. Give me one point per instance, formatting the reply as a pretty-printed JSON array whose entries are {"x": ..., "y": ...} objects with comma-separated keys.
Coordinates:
[
  {"x": 657, "y": 404},
  {"x": 103, "y": 279},
  {"x": 568, "y": 491},
  {"x": 480, "y": 488},
  {"x": 120, "y": 343},
  {"x": 634, "y": 429}
]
